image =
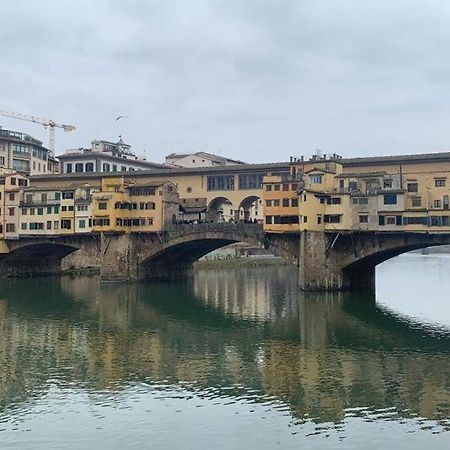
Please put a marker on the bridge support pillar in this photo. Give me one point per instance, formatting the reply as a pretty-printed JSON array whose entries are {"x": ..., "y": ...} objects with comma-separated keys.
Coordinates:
[
  {"x": 118, "y": 258},
  {"x": 320, "y": 265},
  {"x": 317, "y": 271}
]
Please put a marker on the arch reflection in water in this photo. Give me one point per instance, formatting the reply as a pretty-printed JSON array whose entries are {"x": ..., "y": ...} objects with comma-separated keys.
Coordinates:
[{"x": 244, "y": 334}]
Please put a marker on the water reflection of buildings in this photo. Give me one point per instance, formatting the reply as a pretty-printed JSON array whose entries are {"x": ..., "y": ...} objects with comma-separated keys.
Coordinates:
[
  {"x": 247, "y": 292},
  {"x": 320, "y": 355}
]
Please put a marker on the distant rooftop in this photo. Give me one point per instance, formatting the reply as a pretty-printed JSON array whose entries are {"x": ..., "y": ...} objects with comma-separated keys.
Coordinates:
[
  {"x": 210, "y": 156},
  {"x": 16, "y": 135},
  {"x": 396, "y": 159}
]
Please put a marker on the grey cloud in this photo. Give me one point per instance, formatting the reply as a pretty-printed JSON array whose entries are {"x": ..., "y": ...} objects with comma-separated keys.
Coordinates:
[{"x": 255, "y": 80}]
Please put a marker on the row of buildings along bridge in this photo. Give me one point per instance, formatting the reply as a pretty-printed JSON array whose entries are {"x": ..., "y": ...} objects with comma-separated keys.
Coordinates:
[
  {"x": 333, "y": 206},
  {"x": 321, "y": 194}
]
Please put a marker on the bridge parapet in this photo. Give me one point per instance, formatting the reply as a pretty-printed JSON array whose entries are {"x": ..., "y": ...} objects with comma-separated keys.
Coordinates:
[{"x": 244, "y": 229}]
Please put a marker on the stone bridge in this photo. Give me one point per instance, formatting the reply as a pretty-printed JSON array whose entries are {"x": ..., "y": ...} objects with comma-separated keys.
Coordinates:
[
  {"x": 347, "y": 260},
  {"x": 327, "y": 261}
]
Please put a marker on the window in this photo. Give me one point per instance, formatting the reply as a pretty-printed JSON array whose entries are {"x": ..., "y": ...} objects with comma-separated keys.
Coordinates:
[
  {"x": 289, "y": 219},
  {"x": 269, "y": 203},
  {"x": 44, "y": 198},
  {"x": 305, "y": 219},
  {"x": 89, "y": 167},
  {"x": 276, "y": 203},
  {"x": 268, "y": 187},
  {"x": 57, "y": 195},
  {"x": 319, "y": 220},
  {"x": 102, "y": 205},
  {"x": 82, "y": 208},
  {"x": 333, "y": 200},
  {"x": 13, "y": 181},
  {"x": 66, "y": 224},
  {"x": 352, "y": 185},
  {"x": 315, "y": 179},
  {"x": 269, "y": 220},
  {"x": 55, "y": 225},
  {"x": 276, "y": 187},
  {"x": 103, "y": 222},
  {"x": 387, "y": 184},
  {"x": 363, "y": 218},
  {"x": 63, "y": 208},
  {"x": 49, "y": 224},
  {"x": 24, "y": 211},
  {"x": 32, "y": 211},
  {"x": 24, "y": 226},
  {"x": 82, "y": 223},
  {"x": 360, "y": 200},
  {"x": 439, "y": 182},
  {"x": 12, "y": 197},
  {"x": 10, "y": 211},
  {"x": 286, "y": 203},
  {"x": 294, "y": 202},
  {"x": 416, "y": 202},
  {"x": 10, "y": 228},
  {"x": 250, "y": 181},
  {"x": 332, "y": 218},
  {"x": 67, "y": 195},
  {"x": 36, "y": 226},
  {"x": 415, "y": 220},
  {"x": 188, "y": 189},
  {"x": 341, "y": 184},
  {"x": 40, "y": 211},
  {"x": 106, "y": 167},
  {"x": 294, "y": 186},
  {"x": 70, "y": 208},
  {"x": 142, "y": 191},
  {"x": 390, "y": 220},
  {"x": 437, "y": 204},
  {"x": 390, "y": 199},
  {"x": 221, "y": 183},
  {"x": 412, "y": 187},
  {"x": 285, "y": 187},
  {"x": 79, "y": 167}
]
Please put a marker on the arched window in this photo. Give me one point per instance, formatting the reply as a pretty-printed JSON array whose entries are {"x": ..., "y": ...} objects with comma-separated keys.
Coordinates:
[{"x": 89, "y": 167}]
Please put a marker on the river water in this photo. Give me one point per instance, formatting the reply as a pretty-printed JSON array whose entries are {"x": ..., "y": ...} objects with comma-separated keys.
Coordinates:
[{"x": 233, "y": 358}]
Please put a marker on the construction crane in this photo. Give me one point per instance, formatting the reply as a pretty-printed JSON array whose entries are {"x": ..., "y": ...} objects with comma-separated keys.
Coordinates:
[{"x": 48, "y": 123}]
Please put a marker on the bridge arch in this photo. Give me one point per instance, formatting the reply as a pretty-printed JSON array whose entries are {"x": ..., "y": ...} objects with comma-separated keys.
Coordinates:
[
  {"x": 348, "y": 261},
  {"x": 220, "y": 209},
  {"x": 250, "y": 206},
  {"x": 35, "y": 257},
  {"x": 173, "y": 255}
]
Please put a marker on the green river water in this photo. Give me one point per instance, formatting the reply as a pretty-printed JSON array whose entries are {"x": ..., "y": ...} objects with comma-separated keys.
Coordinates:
[{"x": 231, "y": 359}]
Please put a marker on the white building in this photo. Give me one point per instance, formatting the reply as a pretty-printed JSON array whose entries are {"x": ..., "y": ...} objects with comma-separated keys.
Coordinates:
[
  {"x": 199, "y": 159},
  {"x": 24, "y": 153},
  {"x": 104, "y": 156}
]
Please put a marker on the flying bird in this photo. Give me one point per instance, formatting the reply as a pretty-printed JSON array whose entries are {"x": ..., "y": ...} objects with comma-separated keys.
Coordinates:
[{"x": 121, "y": 117}]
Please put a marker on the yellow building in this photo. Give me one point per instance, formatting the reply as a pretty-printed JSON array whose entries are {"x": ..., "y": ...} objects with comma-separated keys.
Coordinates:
[
  {"x": 410, "y": 197},
  {"x": 50, "y": 211},
  {"x": 11, "y": 185},
  {"x": 124, "y": 205}
]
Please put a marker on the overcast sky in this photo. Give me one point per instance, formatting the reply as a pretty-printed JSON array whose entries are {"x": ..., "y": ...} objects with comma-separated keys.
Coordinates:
[{"x": 257, "y": 80}]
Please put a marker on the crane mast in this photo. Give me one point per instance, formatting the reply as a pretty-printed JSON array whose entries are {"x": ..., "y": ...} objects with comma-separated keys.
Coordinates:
[{"x": 47, "y": 123}]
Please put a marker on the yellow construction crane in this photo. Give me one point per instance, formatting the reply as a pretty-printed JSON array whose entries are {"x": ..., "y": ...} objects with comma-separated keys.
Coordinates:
[{"x": 48, "y": 123}]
